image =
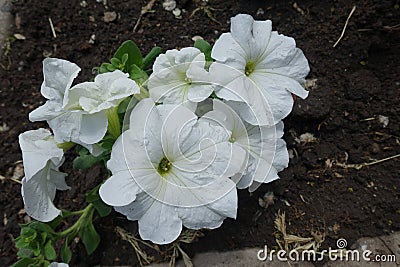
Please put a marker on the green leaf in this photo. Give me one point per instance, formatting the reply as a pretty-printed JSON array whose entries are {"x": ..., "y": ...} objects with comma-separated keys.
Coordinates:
[
  {"x": 93, "y": 194},
  {"x": 124, "y": 58},
  {"x": 107, "y": 142},
  {"x": 137, "y": 74},
  {"x": 66, "y": 253},
  {"x": 85, "y": 162},
  {"x": 124, "y": 105},
  {"x": 54, "y": 223},
  {"x": 204, "y": 47},
  {"x": 41, "y": 227},
  {"x": 111, "y": 67},
  {"x": 44, "y": 237},
  {"x": 134, "y": 55},
  {"x": 35, "y": 246},
  {"x": 28, "y": 232},
  {"x": 104, "y": 67},
  {"x": 93, "y": 197},
  {"x": 24, "y": 262},
  {"x": 102, "y": 208},
  {"x": 82, "y": 150},
  {"x": 90, "y": 237},
  {"x": 115, "y": 62},
  {"x": 20, "y": 242},
  {"x": 49, "y": 252},
  {"x": 151, "y": 56},
  {"x": 25, "y": 253}
]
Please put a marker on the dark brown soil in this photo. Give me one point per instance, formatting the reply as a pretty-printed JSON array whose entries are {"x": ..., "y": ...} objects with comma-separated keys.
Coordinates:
[{"x": 356, "y": 82}]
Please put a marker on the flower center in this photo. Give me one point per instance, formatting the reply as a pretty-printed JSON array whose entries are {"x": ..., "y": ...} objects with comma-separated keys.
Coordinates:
[
  {"x": 164, "y": 166},
  {"x": 250, "y": 66},
  {"x": 232, "y": 139},
  {"x": 188, "y": 81}
]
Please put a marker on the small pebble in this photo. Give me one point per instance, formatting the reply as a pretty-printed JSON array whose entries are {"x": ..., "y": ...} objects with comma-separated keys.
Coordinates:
[
  {"x": 109, "y": 16},
  {"x": 177, "y": 13},
  {"x": 19, "y": 36},
  {"x": 92, "y": 39},
  {"x": 169, "y": 5},
  {"x": 383, "y": 120}
]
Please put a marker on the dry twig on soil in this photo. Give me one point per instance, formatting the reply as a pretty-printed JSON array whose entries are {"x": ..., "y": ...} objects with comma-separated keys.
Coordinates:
[
  {"x": 290, "y": 242},
  {"x": 145, "y": 9},
  {"x": 140, "y": 254},
  {"x": 52, "y": 28},
  {"x": 360, "y": 165},
  {"x": 345, "y": 26}
]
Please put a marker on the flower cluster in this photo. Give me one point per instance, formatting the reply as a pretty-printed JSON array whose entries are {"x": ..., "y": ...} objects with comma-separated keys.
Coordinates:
[{"x": 202, "y": 123}]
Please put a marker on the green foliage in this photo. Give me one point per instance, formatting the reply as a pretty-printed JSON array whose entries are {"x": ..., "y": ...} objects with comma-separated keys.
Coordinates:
[
  {"x": 128, "y": 59},
  {"x": 35, "y": 244},
  {"x": 90, "y": 237},
  {"x": 93, "y": 197},
  {"x": 204, "y": 47},
  {"x": 49, "y": 251},
  {"x": 66, "y": 253},
  {"x": 133, "y": 53},
  {"x": 85, "y": 160},
  {"x": 123, "y": 106},
  {"x": 128, "y": 56},
  {"x": 137, "y": 74},
  {"x": 151, "y": 56},
  {"x": 36, "y": 240}
]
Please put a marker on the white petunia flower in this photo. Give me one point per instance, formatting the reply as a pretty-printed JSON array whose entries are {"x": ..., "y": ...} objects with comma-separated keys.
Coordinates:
[
  {"x": 79, "y": 114},
  {"x": 171, "y": 170},
  {"x": 179, "y": 77},
  {"x": 266, "y": 149},
  {"x": 258, "y": 69},
  {"x": 41, "y": 158}
]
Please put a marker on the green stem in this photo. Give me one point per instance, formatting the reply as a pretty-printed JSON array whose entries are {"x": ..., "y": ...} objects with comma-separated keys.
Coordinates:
[
  {"x": 143, "y": 93},
  {"x": 66, "y": 213},
  {"x": 66, "y": 146},
  {"x": 114, "y": 127},
  {"x": 86, "y": 214}
]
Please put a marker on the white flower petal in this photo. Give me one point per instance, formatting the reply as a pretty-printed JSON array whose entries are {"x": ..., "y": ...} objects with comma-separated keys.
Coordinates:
[
  {"x": 275, "y": 93},
  {"x": 179, "y": 77},
  {"x": 38, "y": 147},
  {"x": 199, "y": 92},
  {"x": 282, "y": 57},
  {"x": 177, "y": 123},
  {"x": 66, "y": 126},
  {"x": 107, "y": 90},
  {"x": 119, "y": 190},
  {"x": 252, "y": 36},
  {"x": 179, "y": 95},
  {"x": 160, "y": 224},
  {"x": 58, "y": 77},
  {"x": 58, "y": 179},
  {"x": 93, "y": 127},
  {"x": 227, "y": 51},
  {"x": 38, "y": 194},
  {"x": 85, "y": 89},
  {"x": 268, "y": 68},
  {"x": 47, "y": 111},
  {"x": 212, "y": 215}
]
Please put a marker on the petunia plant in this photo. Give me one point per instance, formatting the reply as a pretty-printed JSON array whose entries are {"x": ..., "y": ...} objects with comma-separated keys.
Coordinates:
[{"x": 179, "y": 132}]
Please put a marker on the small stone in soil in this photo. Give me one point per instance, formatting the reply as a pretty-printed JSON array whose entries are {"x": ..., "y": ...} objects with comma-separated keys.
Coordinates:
[{"x": 109, "y": 16}]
